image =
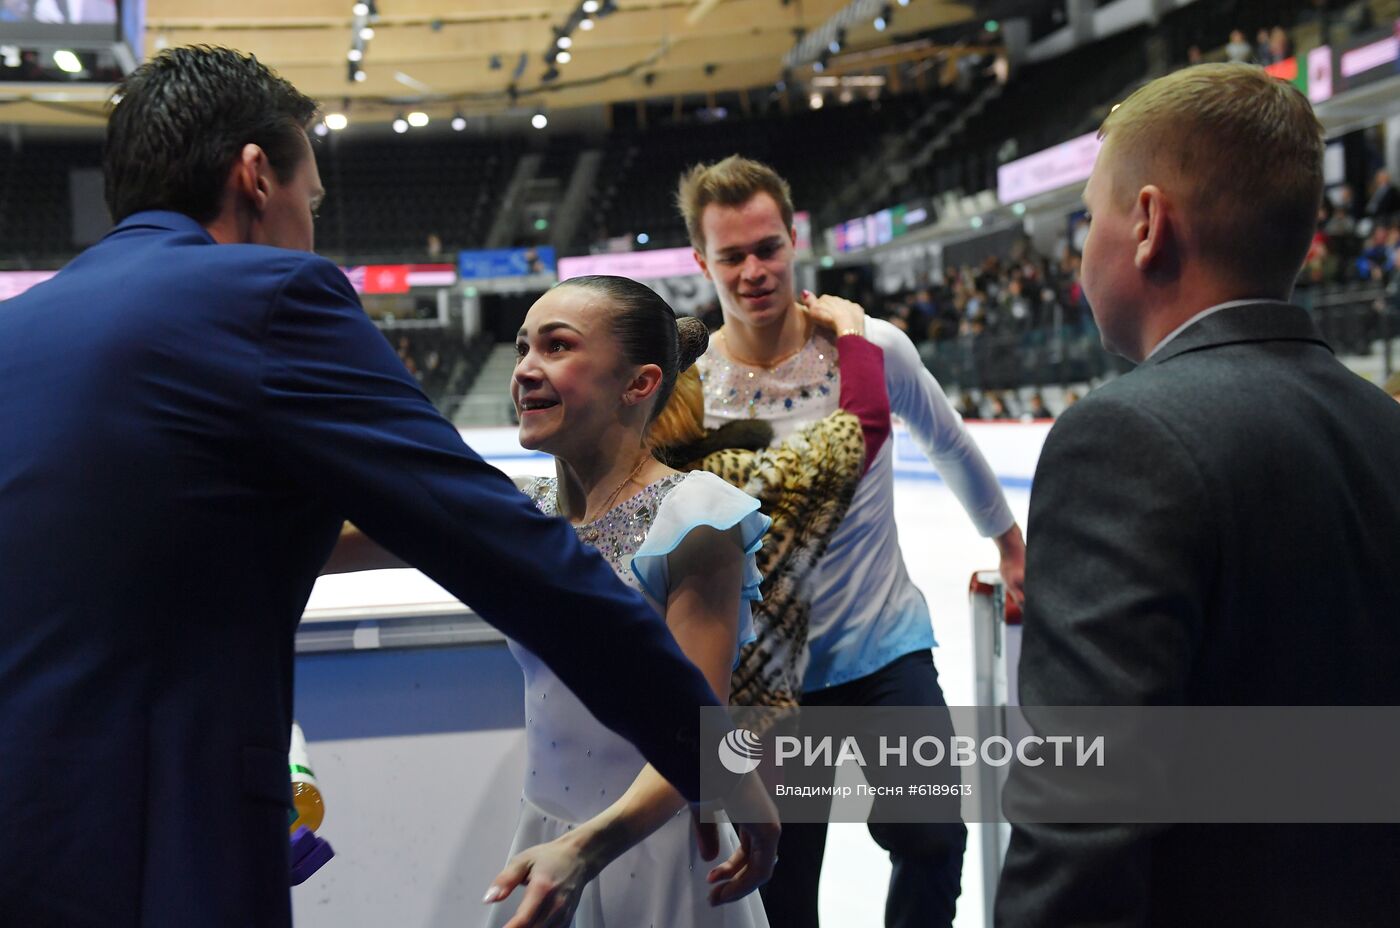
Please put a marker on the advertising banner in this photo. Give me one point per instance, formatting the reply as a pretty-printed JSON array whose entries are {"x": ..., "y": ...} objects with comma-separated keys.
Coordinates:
[
  {"x": 505, "y": 262},
  {"x": 1064, "y": 164},
  {"x": 1371, "y": 59},
  {"x": 638, "y": 265},
  {"x": 1319, "y": 83},
  {"x": 399, "y": 278}
]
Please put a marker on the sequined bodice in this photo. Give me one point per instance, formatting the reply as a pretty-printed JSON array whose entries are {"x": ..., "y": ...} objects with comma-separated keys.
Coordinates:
[
  {"x": 802, "y": 388},
  {"x": 618, "y": 532},
  {"x": 576, "y": 767}
]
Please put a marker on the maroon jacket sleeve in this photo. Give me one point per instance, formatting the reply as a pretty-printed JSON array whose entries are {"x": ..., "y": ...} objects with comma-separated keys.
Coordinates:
[{"x": 863, "y": 391}]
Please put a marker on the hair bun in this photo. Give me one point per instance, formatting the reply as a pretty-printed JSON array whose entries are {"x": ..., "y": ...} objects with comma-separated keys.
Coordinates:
[{"x": 694, "y": 339}]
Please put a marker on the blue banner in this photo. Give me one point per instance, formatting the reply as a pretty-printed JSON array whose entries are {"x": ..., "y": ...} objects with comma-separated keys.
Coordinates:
[{"x": 505, "y": 262}]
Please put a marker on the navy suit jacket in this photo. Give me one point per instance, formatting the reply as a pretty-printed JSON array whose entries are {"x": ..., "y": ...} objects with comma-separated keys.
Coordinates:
[{"x": 183, "y": 426}]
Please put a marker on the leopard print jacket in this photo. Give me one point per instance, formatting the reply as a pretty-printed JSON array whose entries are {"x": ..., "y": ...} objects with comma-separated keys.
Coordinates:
[{"x": 805, "y": 486}]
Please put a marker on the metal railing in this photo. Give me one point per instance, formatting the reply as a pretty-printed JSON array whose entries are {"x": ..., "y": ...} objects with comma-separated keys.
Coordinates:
[
  {"x": 1040, "y": 357},
  {"x": 1359, "y": 320}
]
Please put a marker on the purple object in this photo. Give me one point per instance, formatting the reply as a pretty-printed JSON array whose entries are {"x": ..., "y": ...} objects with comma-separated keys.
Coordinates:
[{"x": 309, "y": 853}]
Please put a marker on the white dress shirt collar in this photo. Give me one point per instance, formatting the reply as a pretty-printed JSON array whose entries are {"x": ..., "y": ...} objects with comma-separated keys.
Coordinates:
[{"x": 1201, "y": 315}]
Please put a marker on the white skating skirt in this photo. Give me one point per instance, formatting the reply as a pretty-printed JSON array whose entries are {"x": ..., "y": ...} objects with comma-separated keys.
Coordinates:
[{"x": 660, "y": 883}]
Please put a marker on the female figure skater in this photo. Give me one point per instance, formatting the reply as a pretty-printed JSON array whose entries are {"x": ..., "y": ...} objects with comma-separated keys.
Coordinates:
[
  {"x": 600, "y": 833},
  {"x": 597, "y": 358}
]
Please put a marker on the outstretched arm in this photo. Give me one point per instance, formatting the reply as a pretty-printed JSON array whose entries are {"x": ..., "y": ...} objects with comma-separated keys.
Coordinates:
[
  {"x": 335, "y": 417},
  {"x": 919, "y": 401},
  {"x": 355, "y": 551}
]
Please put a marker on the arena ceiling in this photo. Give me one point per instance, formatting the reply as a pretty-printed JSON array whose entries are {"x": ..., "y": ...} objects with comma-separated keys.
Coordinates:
[{"x": 445, "y": 56}]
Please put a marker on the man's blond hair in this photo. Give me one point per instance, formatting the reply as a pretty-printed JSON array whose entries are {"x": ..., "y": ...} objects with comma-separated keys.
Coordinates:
[
  {"x": 731, "y": 182},
  {"x": 1242, "y": 153}
]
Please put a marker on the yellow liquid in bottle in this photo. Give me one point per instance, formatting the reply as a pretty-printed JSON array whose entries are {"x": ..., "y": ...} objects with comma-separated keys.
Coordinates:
[{"x": 306, "y": 798}]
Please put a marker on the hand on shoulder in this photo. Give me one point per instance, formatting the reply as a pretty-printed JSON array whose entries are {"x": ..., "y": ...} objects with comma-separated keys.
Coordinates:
[{"x": 840, "y": 316}]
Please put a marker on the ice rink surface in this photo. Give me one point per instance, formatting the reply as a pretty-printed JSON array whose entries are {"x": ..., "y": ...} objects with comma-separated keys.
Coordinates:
[{"x": 942, "y": 551}]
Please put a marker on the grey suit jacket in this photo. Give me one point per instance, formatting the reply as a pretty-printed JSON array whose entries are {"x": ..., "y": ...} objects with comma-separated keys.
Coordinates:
[{"x": 1220, "y": 526}]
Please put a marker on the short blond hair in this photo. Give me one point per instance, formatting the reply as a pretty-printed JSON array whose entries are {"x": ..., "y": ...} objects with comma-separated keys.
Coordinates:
[
  {"x": 682, "y": 420},
  {"x": 731, "y": 182},
  {"x": 1241, "y": 150}
]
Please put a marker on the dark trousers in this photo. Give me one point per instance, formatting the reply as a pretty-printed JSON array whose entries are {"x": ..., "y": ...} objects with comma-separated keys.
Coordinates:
[{"x": 927, "y": 856}]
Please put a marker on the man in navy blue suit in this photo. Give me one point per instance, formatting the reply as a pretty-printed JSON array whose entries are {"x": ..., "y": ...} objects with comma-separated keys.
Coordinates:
[{"x": 191, "y": 408}]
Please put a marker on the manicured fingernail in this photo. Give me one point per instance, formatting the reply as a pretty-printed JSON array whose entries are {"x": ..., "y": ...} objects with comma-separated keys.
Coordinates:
[{"x": 492, "y": 894}]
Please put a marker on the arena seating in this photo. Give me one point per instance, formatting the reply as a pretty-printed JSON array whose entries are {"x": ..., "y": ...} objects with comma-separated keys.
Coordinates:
[
  {"x": 814, "y": 149},
  {"x": 385, "y": 196},
  {"x": 36, "y": 223}
]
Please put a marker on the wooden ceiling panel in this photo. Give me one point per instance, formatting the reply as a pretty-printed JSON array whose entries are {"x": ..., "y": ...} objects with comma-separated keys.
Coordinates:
[{"x": 445, "y": 48}]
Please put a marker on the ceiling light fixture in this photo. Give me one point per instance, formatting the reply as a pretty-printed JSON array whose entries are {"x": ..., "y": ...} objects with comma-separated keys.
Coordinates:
[{"x": 67, "y": 61}]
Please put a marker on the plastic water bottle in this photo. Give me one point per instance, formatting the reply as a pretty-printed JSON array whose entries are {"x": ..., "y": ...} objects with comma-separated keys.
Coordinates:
[{"x": 309, "y": 808}]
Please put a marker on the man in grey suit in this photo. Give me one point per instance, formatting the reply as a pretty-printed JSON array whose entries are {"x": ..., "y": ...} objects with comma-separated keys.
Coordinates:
[{"x": 1219, "y": 526}]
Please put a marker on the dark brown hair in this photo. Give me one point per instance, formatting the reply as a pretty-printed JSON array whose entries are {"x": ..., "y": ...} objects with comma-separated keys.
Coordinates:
[
  {"x": 179, "y": 122},
  {"x": 647, "y": 329}
]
